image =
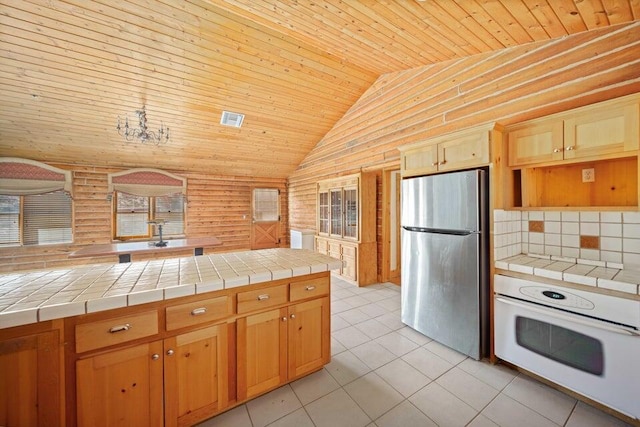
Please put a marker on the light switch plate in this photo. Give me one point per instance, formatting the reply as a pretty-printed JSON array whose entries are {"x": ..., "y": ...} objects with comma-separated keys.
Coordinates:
[{"x": 588, "y": 175}]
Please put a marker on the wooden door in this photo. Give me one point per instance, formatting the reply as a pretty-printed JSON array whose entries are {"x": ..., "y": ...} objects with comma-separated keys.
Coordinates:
[
  {"x": 464, "y": 152},
  {"x": 309, "y": 336},
  {"x": 601, "y": 132},
  {"x": 536, "y": 143},
  {"x": 195, "y": 375},
  {"x": 265, "y": 218},
  {"x": 420, "y": 161},
  {"x": 262, "y": 352},
  {"x": 121, "y": 387},
  {"x": 30, "y": 380}
]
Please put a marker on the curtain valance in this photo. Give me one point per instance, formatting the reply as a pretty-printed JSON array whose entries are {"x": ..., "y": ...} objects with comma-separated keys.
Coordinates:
[
  {"x": 147, "y": 182},
  {"x": 22, "y": 177}
]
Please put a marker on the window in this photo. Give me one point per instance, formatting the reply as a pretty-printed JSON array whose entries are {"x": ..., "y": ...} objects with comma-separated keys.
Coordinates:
[
  {"x": 133, "y": 213},
  {"x": 37, "y": 219},
  {"x": 265, "y": 205}
]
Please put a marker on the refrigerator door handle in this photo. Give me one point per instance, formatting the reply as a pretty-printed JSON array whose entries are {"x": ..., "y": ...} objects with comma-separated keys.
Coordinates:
[{"x": 440, "y": 231}]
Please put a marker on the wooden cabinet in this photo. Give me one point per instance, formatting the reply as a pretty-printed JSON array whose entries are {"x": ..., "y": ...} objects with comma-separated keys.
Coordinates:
[
  {"x": 547, "y": 157},
  {"x": 121, "y": 387},
  {"x": 460, "y": 150},
  {"x": 31, "y": 376},
  {"x": 346, "y": 218},
  {"x": 595, "y": 132},
  {"x": 281, "y": 345}
]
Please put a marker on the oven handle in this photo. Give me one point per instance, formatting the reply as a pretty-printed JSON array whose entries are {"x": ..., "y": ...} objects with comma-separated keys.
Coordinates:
[{"x": 575, "y": 319}]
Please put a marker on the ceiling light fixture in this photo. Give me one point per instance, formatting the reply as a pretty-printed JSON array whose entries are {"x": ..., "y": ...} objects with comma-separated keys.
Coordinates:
[{"x": 143, "y": 134}]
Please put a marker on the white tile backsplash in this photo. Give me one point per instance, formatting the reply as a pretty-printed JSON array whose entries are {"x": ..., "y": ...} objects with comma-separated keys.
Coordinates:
[{"x": 618, "y": 232}]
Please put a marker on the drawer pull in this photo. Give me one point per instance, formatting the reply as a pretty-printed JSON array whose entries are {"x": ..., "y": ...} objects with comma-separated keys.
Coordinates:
[
  {"x": 198, "y": 311},
  {"x": 120, "y": 328},
  {"x": 263, "y": 297},
  {"x": 310, "y": 288}
]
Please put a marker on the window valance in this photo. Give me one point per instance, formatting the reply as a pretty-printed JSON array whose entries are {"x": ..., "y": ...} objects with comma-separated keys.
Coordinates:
[
  {"x": 22, "y": 177},
  {"x": 147, "y": 182}
]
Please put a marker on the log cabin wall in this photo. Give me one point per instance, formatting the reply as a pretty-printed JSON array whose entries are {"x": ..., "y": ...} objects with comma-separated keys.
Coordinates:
[
  {"x": 508, "y": 86},
  {"x": 217, "y": 206}
]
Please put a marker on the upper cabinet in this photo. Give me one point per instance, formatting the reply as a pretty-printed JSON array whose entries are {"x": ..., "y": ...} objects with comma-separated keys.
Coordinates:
[
  {"x": 586, "y": 157},
  {"x": 602, "y": 130},
  {"x": 460, "y": 150}
]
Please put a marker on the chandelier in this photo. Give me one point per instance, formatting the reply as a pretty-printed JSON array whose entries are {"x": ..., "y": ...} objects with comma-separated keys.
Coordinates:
[{"x": 143, "y": 134}]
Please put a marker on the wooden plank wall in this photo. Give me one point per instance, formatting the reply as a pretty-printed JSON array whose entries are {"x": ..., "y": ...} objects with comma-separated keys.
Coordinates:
[
  {"x": 217, "y": 206},
  {"x": 507, "y": 86}
]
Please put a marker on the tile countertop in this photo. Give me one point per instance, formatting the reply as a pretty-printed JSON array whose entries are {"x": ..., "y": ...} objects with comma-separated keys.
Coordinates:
[
  {"x": 574, "y": 271},
  {"x": 33, "y": 296}
]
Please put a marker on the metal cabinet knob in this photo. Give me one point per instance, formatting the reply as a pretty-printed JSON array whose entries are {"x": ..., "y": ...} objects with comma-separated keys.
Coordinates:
[
  {"x": 293, "y": 316},
  {"x": 170, "y": 352},
  {"x": 570, "y": 148},
  {"x": 434, "y": 164},
  {"x": 284, "y": 319},
  {"x": 442, "y": 163},
  {"x": 556, "y": 150},
  {"x": 155, "y": 356}
]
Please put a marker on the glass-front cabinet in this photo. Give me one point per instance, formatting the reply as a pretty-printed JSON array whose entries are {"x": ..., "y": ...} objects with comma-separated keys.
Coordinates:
[{"x": 346, "y": 224}]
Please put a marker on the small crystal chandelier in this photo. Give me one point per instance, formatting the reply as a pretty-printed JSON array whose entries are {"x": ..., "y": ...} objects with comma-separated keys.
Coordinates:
[{"x": 143, "y": 134}]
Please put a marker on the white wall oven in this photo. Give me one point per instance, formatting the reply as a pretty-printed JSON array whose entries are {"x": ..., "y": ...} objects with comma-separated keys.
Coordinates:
[{"x": 585, "y": 341}]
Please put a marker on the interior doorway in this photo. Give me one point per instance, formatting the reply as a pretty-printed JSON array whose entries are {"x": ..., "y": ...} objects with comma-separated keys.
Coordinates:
[{"x": 391, "y": 267}]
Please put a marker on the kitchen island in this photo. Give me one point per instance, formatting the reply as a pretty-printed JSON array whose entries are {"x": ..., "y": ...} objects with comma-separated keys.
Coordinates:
[{"x": 162, "y": 342}]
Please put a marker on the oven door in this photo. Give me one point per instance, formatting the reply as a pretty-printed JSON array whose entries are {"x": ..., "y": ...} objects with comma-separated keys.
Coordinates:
[{"x": 594, "y": 358}]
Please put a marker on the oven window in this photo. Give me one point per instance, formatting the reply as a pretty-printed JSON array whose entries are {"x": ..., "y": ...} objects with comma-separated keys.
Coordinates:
[{"x": 560, "y": 344}]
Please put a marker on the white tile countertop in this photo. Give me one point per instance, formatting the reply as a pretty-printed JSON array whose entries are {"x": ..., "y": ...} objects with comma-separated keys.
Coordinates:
[
  {"x": 30, "y": 297},
  {"x": 580, "y": 272}
]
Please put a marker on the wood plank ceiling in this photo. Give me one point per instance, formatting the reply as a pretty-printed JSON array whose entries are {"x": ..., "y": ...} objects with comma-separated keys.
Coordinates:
[{"x": 69, "y": 68}]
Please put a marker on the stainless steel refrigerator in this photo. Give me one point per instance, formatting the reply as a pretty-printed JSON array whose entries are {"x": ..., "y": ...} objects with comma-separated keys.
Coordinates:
[{"x": 444, "y": 222}]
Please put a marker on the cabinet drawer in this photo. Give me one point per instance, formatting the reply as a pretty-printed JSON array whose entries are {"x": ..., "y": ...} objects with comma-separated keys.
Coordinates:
[
  {"x": 194, "y": 313},
  {"x": 322, "y": 246},
  {"x": 308, "y": 289},
  {"x": 349, "y": 251},
  {"x": 104, "y": 333},
  {"x": 261, "y": 298}
]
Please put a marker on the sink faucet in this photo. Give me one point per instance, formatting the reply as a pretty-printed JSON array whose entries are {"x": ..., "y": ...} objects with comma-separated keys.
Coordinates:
[{"x": 159, "y": 223}]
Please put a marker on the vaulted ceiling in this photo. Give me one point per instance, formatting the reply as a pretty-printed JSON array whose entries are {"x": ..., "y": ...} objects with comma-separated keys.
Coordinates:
[{"x": 69, "y": 69}]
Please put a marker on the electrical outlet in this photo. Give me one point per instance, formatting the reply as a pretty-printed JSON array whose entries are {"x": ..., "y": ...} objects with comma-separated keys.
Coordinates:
[{"x": 588, "y": 175}]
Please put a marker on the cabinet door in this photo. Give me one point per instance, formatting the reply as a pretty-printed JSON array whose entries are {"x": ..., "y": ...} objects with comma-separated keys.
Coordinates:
[
  {"x": 536, "y": 143},
  {"x": 602, "y": 132},
  {"x": 196, "y": 376},
  {"x": 121, "y": 387},
  {"x": 464, "y": 151},
  {"x": 262, "y": 352},
  {"x": 309, "y": 336},
  {"x": 350, "y": 262},
  {"x": 323, "y": 212},
  {"x": 30, "y": 380},
  {"x": 351, "y": 213},
  {"x": 420, "y": 161},
  {"x": 335, "y": 226}
]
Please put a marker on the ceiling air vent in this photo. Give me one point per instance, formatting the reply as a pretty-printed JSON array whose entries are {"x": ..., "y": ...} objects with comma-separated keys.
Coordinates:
[{"x": 231, "y": 119}]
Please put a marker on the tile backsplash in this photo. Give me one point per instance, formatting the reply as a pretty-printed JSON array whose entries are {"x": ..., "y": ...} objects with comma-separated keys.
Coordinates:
[{"x": 606, "y": 238}]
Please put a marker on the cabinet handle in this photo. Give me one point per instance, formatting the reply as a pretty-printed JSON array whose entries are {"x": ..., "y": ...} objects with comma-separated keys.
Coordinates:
[
  {"x": 263, "y": 297},
  {"x": 442, "y": 163},
  {"x": 310, "y": 288},
  {"x": 434, "y": 164},
  {"x": 284, "y": 319},
  {"x": 570, "y": 148},
  {"x": 293, "y": 316},
  {"x": 155, "y": 357},
  {"x": 120, "y": 328},
  {"x": 557, "y": 150},
  {"x": 198, "y": 311},
  {"x": 169, "y": 352}
]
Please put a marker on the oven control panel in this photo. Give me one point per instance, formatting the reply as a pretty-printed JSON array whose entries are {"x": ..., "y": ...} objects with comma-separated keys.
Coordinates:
[{"x": 560, "y": 298}]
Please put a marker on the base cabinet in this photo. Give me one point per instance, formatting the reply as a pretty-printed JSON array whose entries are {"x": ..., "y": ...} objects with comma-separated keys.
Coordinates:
[{"x": 30, "y": 378}]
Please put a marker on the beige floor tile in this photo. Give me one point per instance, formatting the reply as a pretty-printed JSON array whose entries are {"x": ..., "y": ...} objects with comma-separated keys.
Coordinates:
[
  {"x": 276, "y": 404},
  {"x": 314, "y": 386},
  {"x": 551, "y": 403},
  {"x": 507, "y": 412},
  {"x": 236, "y": 417},
  {"x": 373, "y": 310},
  {"x": 336, "y": 347},
  {"x": 373, "y": 329},
  {"x": 448, "y": 354},
  {"x": 396, "y": 343},
  {"x": 587, "y": 416},
  {"x": 354, "y": 316},
  {"x": 338, "y": 322},
  {"x": 298, "y": 418},
  {"x": 414, "y": 335},
  {"x": 346, "y": 367},
  {"x": 391, "y": 320},
  {"x": 337, "y": 409},
  {"x": 497, "y": 376},
  {"x": 482, "y": 421},
  {"x": 442, "y": 407},
  {"x": 373, "y": 354},
  {"x": 468, "y": 388},
  {"x": 373, "y": 395},
  {"x": 403, "y": 377},
  {"x": 428, "y": 363},
  {"x": 405, "y": 415},
  {"x": 351, "y": 337}
]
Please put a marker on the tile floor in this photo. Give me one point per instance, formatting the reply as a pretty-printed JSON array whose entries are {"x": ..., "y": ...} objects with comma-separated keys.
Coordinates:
[{"x": 385, "y": 374}]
